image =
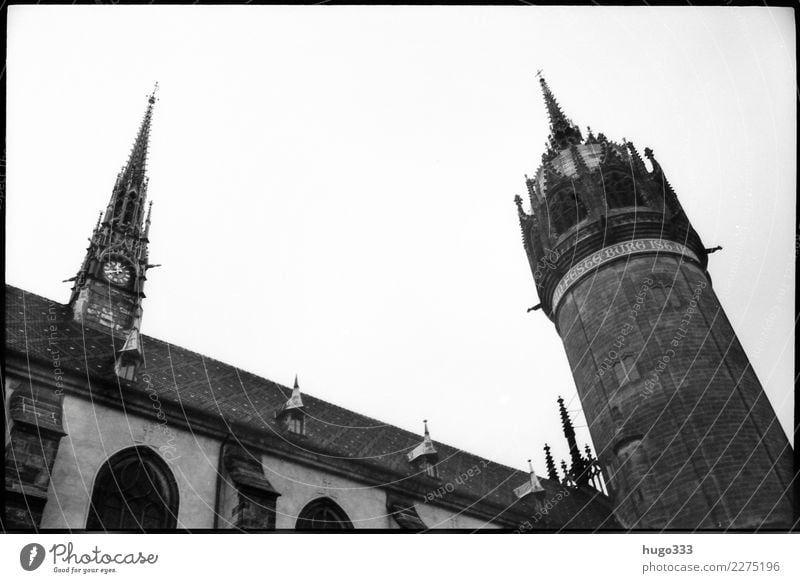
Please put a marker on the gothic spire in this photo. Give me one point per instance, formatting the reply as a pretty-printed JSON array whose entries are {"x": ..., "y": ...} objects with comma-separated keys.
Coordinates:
[
  {"x": 552, "y": 473},
  {"x": 578, "y": 464},
  {"x": 117, "y": 256},
  {"x": 563, "y": 133},
  {"x": 137, "y": 161},
  {"x": 126, "y": 208}
]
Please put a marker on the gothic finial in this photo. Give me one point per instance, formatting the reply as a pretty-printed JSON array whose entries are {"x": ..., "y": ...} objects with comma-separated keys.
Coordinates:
[
  {"x": 152, "y": 97},
  {"x": 296, "y": 384},
  {"x": 147, "y": 220},
  {"x": 518, "y": 202},
  {"x": 427, "y": 433},
  {"x": 578, "y": 462},
  {"x": 566, "y": 422},
  {"x": 551, "y": 465},
  {"x": 638, "y": 163}
]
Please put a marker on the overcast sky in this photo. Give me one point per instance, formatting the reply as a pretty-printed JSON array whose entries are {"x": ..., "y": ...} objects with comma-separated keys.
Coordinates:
[{"x": 333, "y": 186}]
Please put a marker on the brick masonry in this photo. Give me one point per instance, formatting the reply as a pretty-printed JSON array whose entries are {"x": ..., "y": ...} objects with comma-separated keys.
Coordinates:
[{"x": 689, "y": 439}]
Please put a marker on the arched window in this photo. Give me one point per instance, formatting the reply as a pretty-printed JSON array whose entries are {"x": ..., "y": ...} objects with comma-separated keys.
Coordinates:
[
  {"x": 134, "y": 489},
  {"x": 620, "y": 190},
  {"x": 566, "y": 210},
  {"x": 323, "y": 514}
]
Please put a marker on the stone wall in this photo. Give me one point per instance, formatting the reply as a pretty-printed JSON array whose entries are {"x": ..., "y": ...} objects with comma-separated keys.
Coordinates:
[{"x": 688, "y": 437}]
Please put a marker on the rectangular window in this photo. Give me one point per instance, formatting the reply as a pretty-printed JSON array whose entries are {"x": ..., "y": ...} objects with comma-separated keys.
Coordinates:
[
  {"x": 430, "y": 469},
  {"x": 295, "y": 424}
]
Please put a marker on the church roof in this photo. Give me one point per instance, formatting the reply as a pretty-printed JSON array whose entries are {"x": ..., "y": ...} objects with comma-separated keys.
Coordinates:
[{"x": 198, "y": 388}]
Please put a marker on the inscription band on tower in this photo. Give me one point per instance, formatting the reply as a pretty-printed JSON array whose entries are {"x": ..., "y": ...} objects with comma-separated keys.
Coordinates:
[{"x": 612, "y": 252}]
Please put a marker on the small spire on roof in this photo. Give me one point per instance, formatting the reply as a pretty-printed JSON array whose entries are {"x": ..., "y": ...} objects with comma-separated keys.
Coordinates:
[
  {"x": 531, "y": 486},
  {"x": 552, "y": 473},
  {"x": 426, "y": 448},
  {"x": 296, "y": 400}
]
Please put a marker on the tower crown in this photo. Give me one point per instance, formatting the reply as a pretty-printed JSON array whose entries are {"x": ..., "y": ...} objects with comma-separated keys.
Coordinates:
[{"x": 589, "y": 194}]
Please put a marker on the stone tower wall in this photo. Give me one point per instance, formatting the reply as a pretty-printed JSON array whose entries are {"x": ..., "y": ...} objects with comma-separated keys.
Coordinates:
[{"x": 688, "y": 437}]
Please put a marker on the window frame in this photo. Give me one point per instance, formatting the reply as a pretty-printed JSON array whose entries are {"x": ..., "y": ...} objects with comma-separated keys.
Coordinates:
[{"x": 155, "y": 490}]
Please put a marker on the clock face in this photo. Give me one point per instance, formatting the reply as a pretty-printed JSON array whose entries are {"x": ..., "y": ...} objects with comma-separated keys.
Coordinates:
[{"x": 117, "y": 272}]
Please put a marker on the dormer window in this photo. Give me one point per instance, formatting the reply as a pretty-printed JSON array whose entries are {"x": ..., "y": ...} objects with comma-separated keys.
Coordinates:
[
  {"x": 291, "y": 414},
  {"x": 296, "y": 424},
  {"x": 424, "y": 456}
]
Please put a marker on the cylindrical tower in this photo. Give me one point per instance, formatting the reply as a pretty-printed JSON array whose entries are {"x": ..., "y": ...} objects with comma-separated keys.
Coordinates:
[{"x": 680, "y": 422}]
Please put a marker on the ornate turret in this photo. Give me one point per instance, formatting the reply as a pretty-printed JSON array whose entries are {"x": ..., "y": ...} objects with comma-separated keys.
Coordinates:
[
  {"x": 109, "y": 287},
  {"x": 681, "y": 425},
  {"x": 587, "y": 195}
]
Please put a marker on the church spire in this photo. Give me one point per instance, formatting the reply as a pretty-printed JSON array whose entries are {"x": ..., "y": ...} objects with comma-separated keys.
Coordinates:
[
  {"x": 109, "y": 286},
  {"x": 563, "y": 133},
  {"x": 126, "y": 208}
]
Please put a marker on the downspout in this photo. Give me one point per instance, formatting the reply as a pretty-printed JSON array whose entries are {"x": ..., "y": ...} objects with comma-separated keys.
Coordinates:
[{"x": 219, "y": 481}]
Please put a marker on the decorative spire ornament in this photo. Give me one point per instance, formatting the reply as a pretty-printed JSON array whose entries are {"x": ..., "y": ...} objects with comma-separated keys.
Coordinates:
[
  {"x": 552, "y": 473},
  {"x": 531, "y": 485},
  {"x": 425, "y": 449}
]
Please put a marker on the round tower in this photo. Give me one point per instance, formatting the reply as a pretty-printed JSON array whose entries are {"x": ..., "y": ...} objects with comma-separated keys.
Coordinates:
[{"x": 680, "y": 422}]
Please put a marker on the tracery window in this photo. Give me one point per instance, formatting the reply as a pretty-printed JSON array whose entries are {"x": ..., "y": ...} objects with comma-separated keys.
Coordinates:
[
  {"x": 620, "y": 190},
  {"x": 323, "y": 514},
  {"x": 566, "y": 210},
  {"x": 134, "y": 489}
]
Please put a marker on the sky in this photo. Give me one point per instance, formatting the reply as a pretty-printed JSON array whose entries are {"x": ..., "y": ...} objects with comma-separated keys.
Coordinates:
[{"x": 333, "y": 186}]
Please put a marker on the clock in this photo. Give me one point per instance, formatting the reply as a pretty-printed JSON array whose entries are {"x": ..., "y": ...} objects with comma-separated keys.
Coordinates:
[{"x": 117, "y": 272}]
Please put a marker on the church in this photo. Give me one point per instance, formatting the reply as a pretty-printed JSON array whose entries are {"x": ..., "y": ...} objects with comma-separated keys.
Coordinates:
[{"x": 108, "y": 429}]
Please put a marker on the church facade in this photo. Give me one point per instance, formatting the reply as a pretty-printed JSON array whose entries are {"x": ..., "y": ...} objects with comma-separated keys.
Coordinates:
[{"x": 110, "y": 429}]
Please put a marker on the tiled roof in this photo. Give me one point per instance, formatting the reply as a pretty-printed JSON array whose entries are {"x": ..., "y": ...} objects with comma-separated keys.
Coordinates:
[{"x": 197, "y": 383}]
